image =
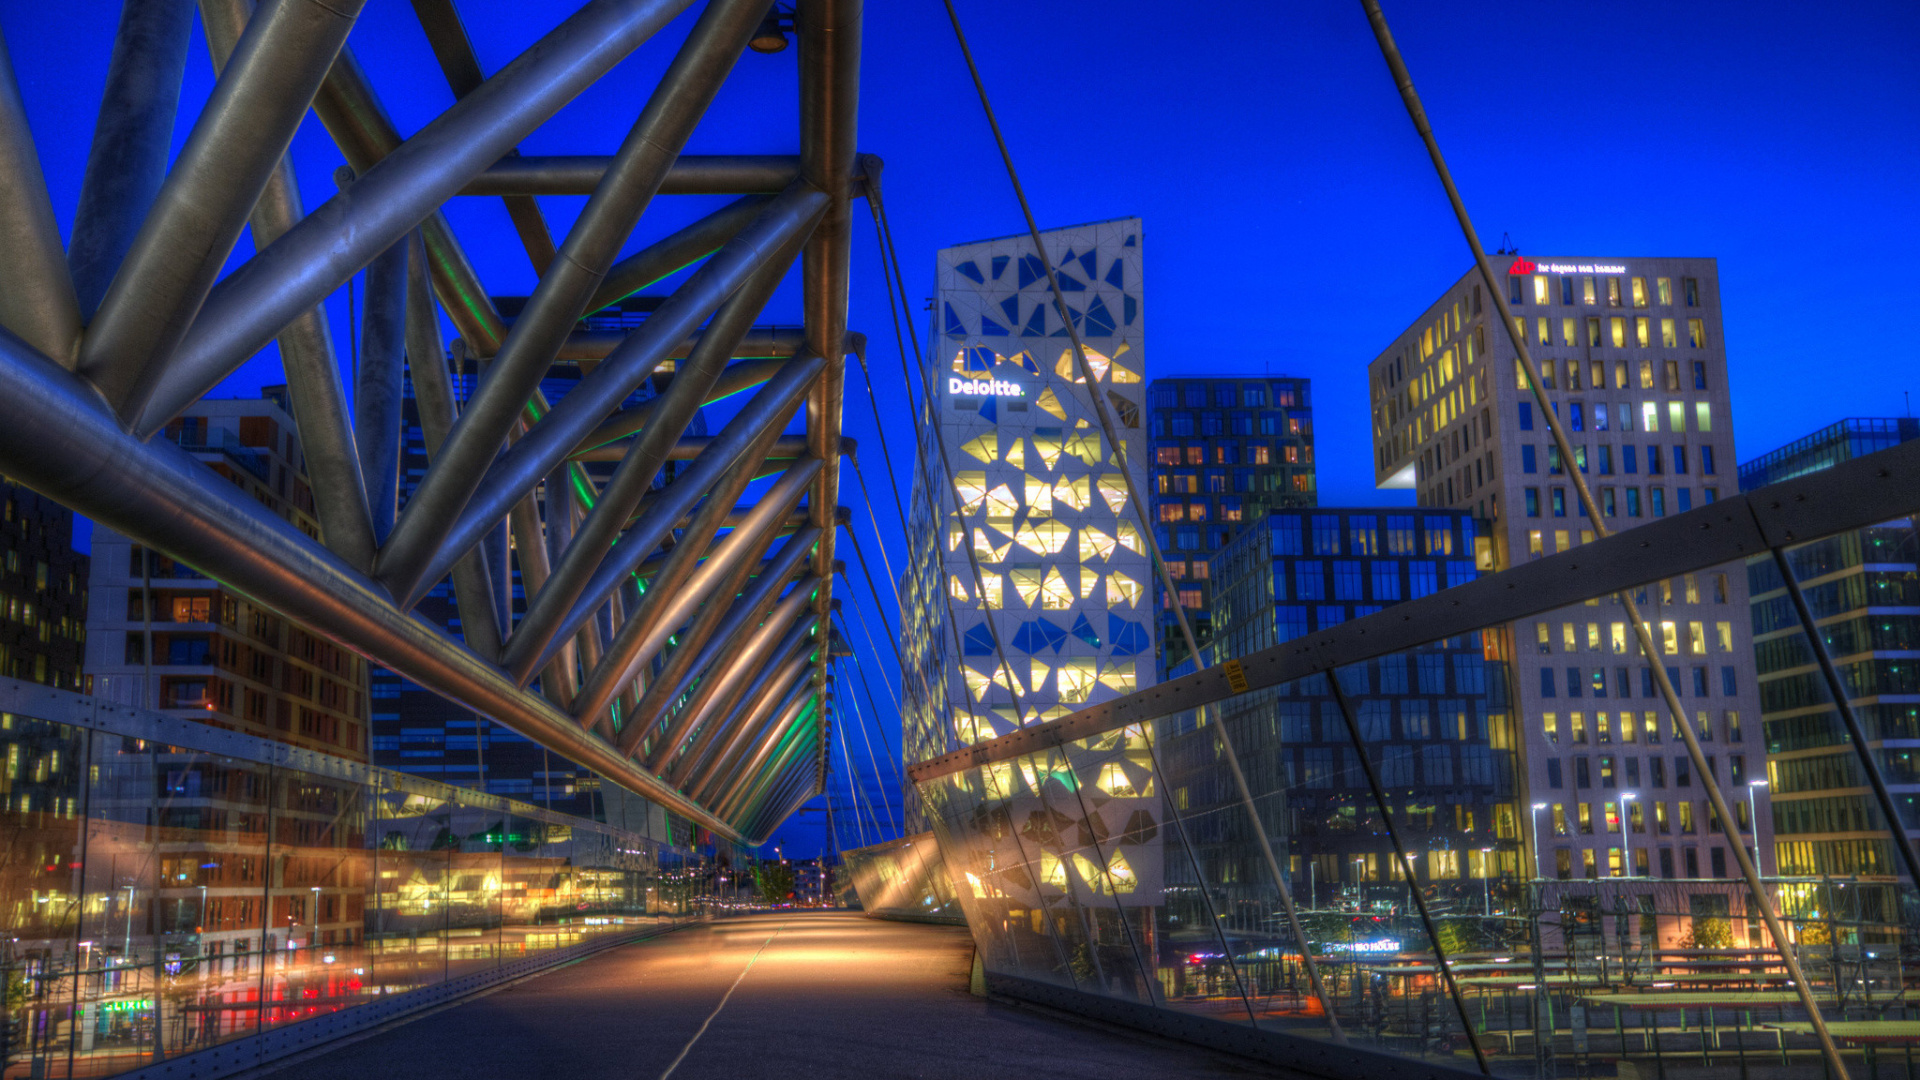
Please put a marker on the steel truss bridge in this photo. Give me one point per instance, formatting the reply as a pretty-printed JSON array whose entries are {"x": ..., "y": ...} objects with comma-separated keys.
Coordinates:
[{"x": 675, "y": 638}]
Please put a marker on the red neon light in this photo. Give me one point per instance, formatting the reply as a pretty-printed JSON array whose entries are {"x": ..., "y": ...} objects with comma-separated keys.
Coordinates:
[{"x": 1521, "y": 266}]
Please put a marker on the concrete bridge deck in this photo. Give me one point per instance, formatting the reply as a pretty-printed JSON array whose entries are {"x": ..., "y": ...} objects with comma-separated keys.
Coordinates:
[{"x": 806, "y": 994}]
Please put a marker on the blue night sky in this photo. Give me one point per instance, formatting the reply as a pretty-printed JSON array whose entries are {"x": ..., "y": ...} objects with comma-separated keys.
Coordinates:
[{"x": 1293, "y": 223}]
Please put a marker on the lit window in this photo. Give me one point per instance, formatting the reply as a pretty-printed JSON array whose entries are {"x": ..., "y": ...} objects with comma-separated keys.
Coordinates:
[
  {"x": 1676, "y": 416},
  {"x": 1122, "y": 591},
  {"x": 1724, "y": 631},
  {"x": 1077, "y": 679},
  {"x": 1617, "y": 327},
  {"x": 1569, "y": 330},
  {"x": 1641, "y": 334},
  {"x": 1593, "y": 333},
  {"x": 1618, "y": 634},
  {"x": 1670, "y": 638},
  {"x": 1540, "y": 294},
  {"x": 1113, "y": 491},
  {"x": 1614, "y": 298},
  {"x": 984, "y": 448},
  {"x": 1669, "y": 339},
  {"x": 1702, "y": 416},
  {"x": 1040, "y": 496},
  {"x": 1663, "y": 290},
  {"x": 1697, "y": 638},
  {"x": 1649, "y": 416},
  {"x": 1550, "y": 726},
  {"x": 1640, "y": 292},
  {"x": 1697, "y": 333},
  {"x": 1074, "y": 493}
]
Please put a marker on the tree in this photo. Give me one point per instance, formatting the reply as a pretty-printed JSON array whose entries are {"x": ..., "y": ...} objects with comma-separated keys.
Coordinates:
[{"x": 774, "y": 880}]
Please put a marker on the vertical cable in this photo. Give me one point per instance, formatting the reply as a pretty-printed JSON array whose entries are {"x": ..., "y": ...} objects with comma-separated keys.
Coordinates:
[
  {"x": 1101, "y": 410},
  {"x": 1417, "y": 113}
]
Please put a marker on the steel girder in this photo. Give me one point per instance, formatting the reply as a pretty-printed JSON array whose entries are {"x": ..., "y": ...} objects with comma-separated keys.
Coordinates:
[{"x": 103, "y": 343}]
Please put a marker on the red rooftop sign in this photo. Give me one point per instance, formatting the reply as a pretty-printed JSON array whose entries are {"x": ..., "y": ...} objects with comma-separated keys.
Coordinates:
[{"x": 1521, "y": 266}]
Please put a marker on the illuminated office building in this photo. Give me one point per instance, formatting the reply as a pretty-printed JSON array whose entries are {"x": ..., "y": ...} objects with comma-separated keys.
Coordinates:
[
  {"x": 216, "y": 656},
  {"x": 1632, "y": 360},
  {"x": 1864, "y": 588},
  {"x": 43, "y": 591},
  {"x": 1438, "y": 714},
  {"x": 1226, "y": 449},
  {"x": 1042, "y": 502}
]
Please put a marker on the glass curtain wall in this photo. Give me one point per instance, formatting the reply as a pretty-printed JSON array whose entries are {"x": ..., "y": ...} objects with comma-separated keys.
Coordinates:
[{"x": 159, "y": 900}]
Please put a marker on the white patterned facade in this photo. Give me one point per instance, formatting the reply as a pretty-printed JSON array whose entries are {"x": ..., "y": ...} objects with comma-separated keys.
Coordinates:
[{"x": 1041, "y": 497}]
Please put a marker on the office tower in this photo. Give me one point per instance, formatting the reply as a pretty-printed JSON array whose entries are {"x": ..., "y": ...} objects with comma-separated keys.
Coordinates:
[
  {"x": 165, "y": 636},
  {"x": 1437, "y": 715},
  {"x": 1631, "y": 359},
  {"x": 1864, "y": 588},
  {"x": 1042, "y": 502},
  {"x": 43, "y": 592},
  {"x": 1226, "y": 449}
]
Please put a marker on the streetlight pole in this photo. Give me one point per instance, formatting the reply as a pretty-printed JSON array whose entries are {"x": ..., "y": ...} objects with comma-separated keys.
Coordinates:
[
  {"x": 1311, "y": 880},
  {"x": 1486, "y": 878},
  {"x": 1537, "y": 807},
  {"x": 1626, "y": 830},
  {"x": 1753, "y": 820}
]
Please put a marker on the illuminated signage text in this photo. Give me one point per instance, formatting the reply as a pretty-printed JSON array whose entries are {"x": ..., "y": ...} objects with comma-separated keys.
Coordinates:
[{"x": 985, "y": 388}]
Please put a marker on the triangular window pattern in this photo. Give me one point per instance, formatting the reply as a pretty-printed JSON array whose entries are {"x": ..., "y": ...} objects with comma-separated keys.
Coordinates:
[{"x": 971, "y": 271}]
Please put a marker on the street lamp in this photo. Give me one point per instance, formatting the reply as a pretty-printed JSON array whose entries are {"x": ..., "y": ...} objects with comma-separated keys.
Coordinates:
[
  {"x": 316, "y": 917},
  {"x": 1753, "y": 821},
  {"x": 1486, "y": 878},
  {"x": 1537, "y": 807},
  {"x": 1626, "y": 830},
  {"x": 126, "y": 949}
]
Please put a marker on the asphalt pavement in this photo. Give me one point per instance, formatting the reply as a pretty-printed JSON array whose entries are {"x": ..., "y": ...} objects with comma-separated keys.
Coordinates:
[{"x": 805, "y": 994}]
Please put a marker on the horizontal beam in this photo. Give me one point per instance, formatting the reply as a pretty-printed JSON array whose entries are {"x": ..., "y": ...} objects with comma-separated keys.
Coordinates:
[
  {"x": 689, "y": 447},
  {"x": 692, "y": 174},
  {"x": 1852, "y": 495}
]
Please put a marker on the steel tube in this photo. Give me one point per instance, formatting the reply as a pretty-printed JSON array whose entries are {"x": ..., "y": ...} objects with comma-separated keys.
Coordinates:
[
  {"x": 718, "y": 633},
  {"x": 789, "y": 674},
  {"x": 587, "y": 347},
  {"x": 400, "y": 192},
  {"x": 603, "y": 555},
  {"x": 379, "y": 383},
  {"x": 670, "y": 606},
  {"x": 237, "y": 142},
  {"x": 60, "y": 441},
  {"x": 621, "y": 661},
  {"x": 772, "y": 747},
  {"x": 307, "y": 355},
  {"x": 743, "y": 642},
  {"x": 447, "y": 35},
  {"x": 786, "y": 782},
  {"x": 675, "y": 251},
  {"x": 743, "y": 376},
  {"x": 562, "y": 294},
  {"x": 829, "y": 48},
  {"x": 773, "y": 646},
  {"x": 433, "y": 401},
  {"x": 692, "y": 174},
  {"x": 37, "y": 300},
  {"x": 404, "y": 567},
  {"x": 691, "y": 385},
  {"x": 801, "y": 792},
  {"x": 365, "y": 134},
  {"x": 786, "y": 448},
  {"x": 132, "y": 141}
]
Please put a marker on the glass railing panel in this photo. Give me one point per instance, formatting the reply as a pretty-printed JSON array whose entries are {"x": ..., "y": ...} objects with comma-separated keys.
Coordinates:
[
  {"x": 114, "y": 1019},
  {"x": 476, "y": 828},
  {"x": 319, "y": 866},
  {"x": 42, "y": 963},
  {"x": 1012, "y": 916},
  {"x": 1161, "y": 917}
]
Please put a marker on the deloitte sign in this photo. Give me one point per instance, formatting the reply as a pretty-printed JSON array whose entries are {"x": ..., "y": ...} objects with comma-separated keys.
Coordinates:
[{"x": 985, "y": 388}]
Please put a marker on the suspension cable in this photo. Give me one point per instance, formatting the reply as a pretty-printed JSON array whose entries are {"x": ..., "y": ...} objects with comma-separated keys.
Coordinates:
[
  {"x": 1097, "y": 393},
  {"x": 1409, "y": 97},
  {"x": 854, "y": 701}
]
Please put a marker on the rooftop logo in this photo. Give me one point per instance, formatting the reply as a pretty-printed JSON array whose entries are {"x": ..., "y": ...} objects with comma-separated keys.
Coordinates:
[
  {"x": 1522, "y": 266},
  {"x": 985, "y": 388}
]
